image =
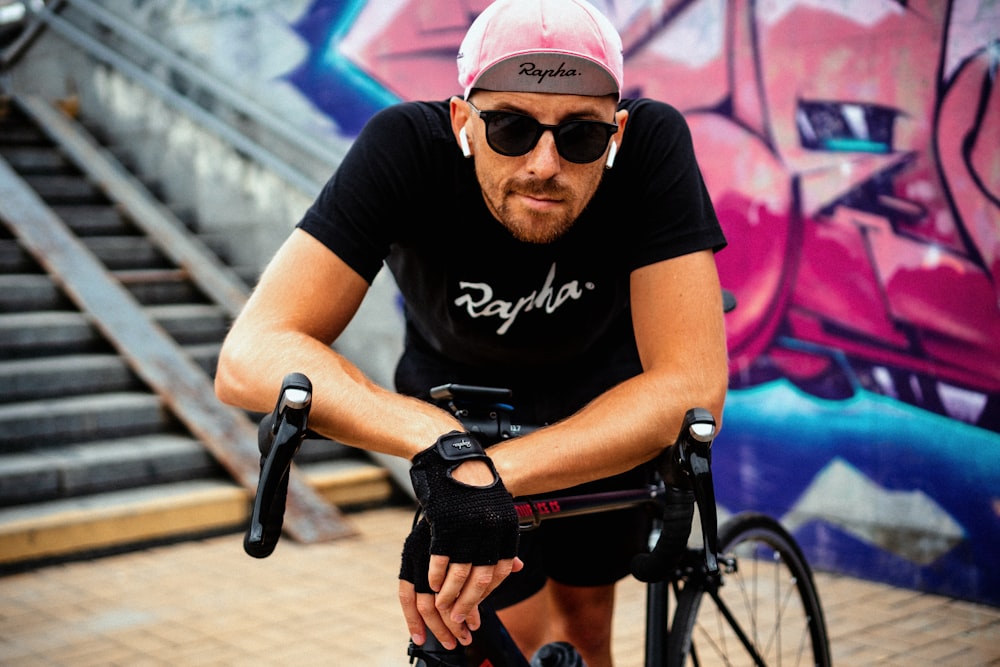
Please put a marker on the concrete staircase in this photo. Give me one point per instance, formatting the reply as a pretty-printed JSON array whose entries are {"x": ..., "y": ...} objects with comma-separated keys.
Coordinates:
[{"x": 91, "y": 457}]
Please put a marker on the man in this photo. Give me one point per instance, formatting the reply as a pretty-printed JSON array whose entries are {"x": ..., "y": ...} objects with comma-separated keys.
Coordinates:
[{"x": 538, "y": 245}]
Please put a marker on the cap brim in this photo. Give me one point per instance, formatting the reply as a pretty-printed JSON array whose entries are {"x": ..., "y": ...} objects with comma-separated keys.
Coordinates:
[{"x": 547, "y": 72}]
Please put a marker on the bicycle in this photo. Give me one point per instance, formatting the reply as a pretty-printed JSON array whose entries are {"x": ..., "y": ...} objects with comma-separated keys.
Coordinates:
[{"x": 746, "y": 596}]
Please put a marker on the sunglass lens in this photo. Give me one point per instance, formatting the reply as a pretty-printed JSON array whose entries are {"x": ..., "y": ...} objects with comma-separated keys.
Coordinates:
[
  {"x": 582, "y": 141},
  {"x": 512, "y": 134}
]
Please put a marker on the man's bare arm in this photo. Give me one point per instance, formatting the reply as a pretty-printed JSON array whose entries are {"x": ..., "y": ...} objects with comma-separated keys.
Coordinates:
[
  {"x": 678, "y": 321},
  {"x": 304, "y": 300}
]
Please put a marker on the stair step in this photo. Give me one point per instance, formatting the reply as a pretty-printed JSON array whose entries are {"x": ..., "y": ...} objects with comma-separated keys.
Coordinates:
[
  {"x": 102, "y": 466},
  {"x": 75, "y": 374},
  {"x": 126, "y": 252},
  {"x": 22, "y": 292},
  {"x": 56, "y": 421},
  {"x": 91, "y": 220},
  {"x": 54, "y": 332},
  {"x": 191, "y": 323},
  {"x": 67, "y": 375},
  {"x": 206, "y": 355},
  {"x": 116, "y": 252},
  {"x": 20, "y": 133},
  {"x": 67, "y": 332},
  {"x": 34, "y": 159},
  {"x": 64, "y": 189},
  {"x": 316, "y": 451},
  {"x": 122, "y": 519},
  {"x": 350, "y": 482},
  {"x": 77, "y": 525},
  {"x": 13, "y": 259},
  {"x": 160, "y": 286}
]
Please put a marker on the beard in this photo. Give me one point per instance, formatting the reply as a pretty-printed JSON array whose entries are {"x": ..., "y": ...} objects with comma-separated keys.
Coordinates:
[{"x": 533, "y": 226}]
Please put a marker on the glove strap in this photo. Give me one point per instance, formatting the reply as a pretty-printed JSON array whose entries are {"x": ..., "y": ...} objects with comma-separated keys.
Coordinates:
[
  {"x": 440, "y": 459},
  {"x": 455, "y": 446}
]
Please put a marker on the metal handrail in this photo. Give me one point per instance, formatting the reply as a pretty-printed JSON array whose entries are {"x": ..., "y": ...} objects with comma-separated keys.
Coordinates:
[
  {"x": 16, "y": 48},
  {"x": 238, "y": 102}
]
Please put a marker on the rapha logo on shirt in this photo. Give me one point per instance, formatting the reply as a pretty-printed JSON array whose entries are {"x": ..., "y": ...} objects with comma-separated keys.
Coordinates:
[
  {"x": 478, "y": 299},
  {"x": 530, "y": 69}
]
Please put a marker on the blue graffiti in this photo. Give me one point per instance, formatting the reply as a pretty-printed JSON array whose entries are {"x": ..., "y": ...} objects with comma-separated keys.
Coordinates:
[
  {"x": 335, "y": 85},
  {"x": 777, "y": 439}
]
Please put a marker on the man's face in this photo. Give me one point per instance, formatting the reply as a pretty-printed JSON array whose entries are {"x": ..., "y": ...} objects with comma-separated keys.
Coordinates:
[{"x": 539, "y": 195}]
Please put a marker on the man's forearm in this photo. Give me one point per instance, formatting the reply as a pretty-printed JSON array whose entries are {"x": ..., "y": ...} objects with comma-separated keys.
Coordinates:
[
  {"x": 347, "y": 406},
  {"x": 624, "y": 427}
]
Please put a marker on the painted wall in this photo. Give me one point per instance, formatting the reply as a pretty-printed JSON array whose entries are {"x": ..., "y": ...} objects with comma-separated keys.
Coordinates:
[{"x": 853, "y": 152}]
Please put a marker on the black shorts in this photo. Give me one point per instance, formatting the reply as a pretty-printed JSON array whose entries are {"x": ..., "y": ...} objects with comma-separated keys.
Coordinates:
[{"x": 589, "y": 550}]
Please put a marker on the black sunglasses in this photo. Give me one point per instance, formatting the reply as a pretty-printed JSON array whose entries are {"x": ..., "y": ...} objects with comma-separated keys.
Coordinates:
[{"x": 513, "y": 134}]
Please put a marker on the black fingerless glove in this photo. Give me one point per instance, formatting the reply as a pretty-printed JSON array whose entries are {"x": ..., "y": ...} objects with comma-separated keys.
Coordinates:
[
  {"x": 468, "y": 524},
  {"x": 417, "y": 557}
]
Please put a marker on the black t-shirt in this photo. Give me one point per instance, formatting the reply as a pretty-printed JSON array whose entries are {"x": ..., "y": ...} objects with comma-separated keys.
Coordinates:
[{"x": 472, "y": 293}]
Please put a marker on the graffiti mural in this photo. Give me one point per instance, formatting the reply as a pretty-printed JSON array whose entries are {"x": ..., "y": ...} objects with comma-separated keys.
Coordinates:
[
  {"x": 864, "y": 211},
  {"x": 852, "y": 149}
]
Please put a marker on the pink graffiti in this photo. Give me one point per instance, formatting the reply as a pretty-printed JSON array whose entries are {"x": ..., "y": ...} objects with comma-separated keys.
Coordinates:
[
  {"x": 879, "y": 237},
  {"x": 890, "y": 257}
]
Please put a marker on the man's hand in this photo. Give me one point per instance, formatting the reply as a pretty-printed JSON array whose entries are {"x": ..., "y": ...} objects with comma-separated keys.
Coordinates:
[
  {"x": 464, "y": 545},
  {"x": 452, "y": 614}
]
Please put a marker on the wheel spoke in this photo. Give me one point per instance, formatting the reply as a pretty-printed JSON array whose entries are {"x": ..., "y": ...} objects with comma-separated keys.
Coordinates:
[{"x": 763, "y": 609}]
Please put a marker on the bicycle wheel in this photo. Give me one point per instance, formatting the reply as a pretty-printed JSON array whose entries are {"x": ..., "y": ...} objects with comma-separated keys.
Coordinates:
[{"x": 762, "y": 610}]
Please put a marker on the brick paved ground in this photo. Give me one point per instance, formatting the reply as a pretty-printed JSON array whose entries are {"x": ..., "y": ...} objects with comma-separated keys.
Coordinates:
[{"x": 206, "y": 603}]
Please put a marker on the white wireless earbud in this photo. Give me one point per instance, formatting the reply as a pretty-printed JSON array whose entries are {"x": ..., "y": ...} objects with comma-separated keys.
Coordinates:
[
  {"x": 464, "y": 141},
  {"x": 612, "y": 152}
]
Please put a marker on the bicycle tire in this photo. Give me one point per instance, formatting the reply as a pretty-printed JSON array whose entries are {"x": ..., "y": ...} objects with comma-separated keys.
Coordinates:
[{"x": 783, "y": 622}]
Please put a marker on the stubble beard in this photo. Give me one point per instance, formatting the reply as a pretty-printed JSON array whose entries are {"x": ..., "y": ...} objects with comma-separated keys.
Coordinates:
[{"x": 534, "y": 226}]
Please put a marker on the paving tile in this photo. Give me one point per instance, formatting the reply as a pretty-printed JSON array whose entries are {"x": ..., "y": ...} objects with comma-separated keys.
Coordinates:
[
  {"x": 204, "y": 602},
  {"x": 142, "y": 643}
]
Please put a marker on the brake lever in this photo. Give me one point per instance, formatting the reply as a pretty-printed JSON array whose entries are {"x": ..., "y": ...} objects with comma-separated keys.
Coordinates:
[
  {"x": 279, "y": 437},
  {"x": 694, "y": 457},
  {"x": 685, "y": 470}
]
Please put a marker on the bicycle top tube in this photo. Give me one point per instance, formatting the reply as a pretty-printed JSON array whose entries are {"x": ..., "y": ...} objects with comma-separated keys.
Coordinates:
[{"x": 531, "y": 512}]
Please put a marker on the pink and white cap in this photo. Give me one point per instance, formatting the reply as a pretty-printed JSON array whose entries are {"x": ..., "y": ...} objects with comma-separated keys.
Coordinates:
[{"x": 542, "y": 46}]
